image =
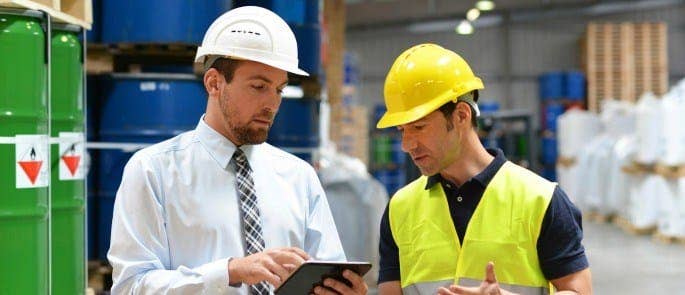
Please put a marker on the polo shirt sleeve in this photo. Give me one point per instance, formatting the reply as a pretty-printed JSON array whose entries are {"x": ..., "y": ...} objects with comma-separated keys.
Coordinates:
[
  {"x": 389, "y": 269},
  {"x": 560, "y": 248}
]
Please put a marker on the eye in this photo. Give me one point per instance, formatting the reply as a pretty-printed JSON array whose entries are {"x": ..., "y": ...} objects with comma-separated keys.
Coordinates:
[
  {"x": 418, "y": 127},
  {"x": 259, "y": 87}
]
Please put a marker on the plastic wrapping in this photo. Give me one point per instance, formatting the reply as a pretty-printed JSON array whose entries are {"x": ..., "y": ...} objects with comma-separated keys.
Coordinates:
[
  {"x": 648, "y": 121},
  {"x": 674, "y": 126},
  {"x": 646, "y": 199},
  {"x": 576, "y": 129},
  {"x": 357, "y": 202},
  {"x": 618, "y": 187}
]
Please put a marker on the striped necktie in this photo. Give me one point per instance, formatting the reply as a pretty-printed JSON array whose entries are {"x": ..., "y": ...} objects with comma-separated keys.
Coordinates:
[{"x": 249, "y": 210}]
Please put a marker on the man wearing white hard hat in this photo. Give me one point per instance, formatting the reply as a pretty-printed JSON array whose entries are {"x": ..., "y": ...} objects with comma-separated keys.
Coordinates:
[{"x": 216, "y": 210}]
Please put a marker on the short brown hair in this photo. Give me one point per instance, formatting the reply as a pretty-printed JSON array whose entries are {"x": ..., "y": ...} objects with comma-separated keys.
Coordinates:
[
  {"x": 448, "y": 108},
  {"x": 226, "y": 67}
]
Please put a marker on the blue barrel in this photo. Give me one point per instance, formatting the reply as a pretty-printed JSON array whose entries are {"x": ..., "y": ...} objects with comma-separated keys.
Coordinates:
[
  {"x": 575, "y": 86},
  {"x": 159, "y": 21},
  {"x": 392, "y": 179},
  {"x": 549, "y": 150},
  {"x": 549, "y": 173},
  {"x": 378, "y": 111},
  {"x": 351, "y": 72},
  {"x": 143, "y": 108},
  {"x": 95, "y": 33},
  {"x": 488, "y": 107},
  {"x": 296, "y": 126},
  {"x": 551, "y": 115},
  {"x": 296, "y": 12},
  {"x": 551, "y": 85},
  {"x": 308, "y": 47},
  {"x": 397, "y": 156}
]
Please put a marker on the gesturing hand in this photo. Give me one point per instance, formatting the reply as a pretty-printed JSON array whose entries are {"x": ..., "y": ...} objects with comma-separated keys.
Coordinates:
[{"x": 489, "y": 286}]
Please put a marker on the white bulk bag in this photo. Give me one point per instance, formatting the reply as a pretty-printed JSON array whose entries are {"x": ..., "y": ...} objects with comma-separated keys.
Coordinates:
[{"x": 648, "y": 121}]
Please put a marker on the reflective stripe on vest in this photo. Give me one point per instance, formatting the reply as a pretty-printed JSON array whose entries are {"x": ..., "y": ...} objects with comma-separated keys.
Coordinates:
[
  {"x": 426, "y": 287},
  {"x": 518, "y": 289},
  {"x": 504, "y": 229}
]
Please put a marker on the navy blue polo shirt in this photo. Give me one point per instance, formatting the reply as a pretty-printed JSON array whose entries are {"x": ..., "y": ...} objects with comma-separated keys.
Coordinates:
[{"x": 559, "y": 246}]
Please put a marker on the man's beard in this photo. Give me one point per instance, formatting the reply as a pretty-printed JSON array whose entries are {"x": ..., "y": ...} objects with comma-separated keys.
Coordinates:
[
  {"x": 250, "y": 136},
  {"x": 243, "y": 133}
]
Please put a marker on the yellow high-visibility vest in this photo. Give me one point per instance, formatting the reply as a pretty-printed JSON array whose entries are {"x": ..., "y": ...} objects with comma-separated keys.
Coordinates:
[{"x": 504, "y": 229}]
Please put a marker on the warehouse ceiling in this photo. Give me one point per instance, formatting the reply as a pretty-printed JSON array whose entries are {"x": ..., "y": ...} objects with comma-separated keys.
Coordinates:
[{"x": 363, "y": 13}]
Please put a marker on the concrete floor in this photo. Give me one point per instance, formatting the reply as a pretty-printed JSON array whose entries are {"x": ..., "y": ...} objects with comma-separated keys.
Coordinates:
[{"x": 626, "y": 264}]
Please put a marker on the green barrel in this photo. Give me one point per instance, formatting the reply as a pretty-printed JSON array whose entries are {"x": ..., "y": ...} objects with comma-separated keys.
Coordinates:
[
  {"x": 67, "y": 183},
  {"x": 23, "y": 110},
  {"x": 382, "y": 149}
]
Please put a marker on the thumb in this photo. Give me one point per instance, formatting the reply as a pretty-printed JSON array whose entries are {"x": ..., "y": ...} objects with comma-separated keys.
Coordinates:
[{"x": 490, "y": 273}]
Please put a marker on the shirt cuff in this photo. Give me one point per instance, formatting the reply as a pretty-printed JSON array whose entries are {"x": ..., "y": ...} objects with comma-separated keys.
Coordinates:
[{"x": 215, "y": 276}]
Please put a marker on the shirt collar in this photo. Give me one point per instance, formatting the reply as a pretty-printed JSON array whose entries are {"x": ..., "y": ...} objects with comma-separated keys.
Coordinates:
[
  {"x": 218, "y": 146},
  {"x": 484, "y": 177}
]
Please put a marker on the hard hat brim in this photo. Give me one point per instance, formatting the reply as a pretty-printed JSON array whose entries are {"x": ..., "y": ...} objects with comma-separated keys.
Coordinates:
[
  {"x": 391, "y": 119},
  {"x": 243, "y": 55}
]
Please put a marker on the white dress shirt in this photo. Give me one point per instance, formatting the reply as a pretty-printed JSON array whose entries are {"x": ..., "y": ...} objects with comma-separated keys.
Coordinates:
[{"x": 177, "y": 221}]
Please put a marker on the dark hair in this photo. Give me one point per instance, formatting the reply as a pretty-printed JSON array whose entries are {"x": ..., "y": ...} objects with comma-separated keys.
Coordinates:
[
  {"x": 448, "y": 108},
  {"x": 226, "y": 67}
]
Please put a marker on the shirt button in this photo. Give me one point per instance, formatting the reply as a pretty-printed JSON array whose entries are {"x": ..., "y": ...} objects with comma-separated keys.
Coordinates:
[
  {"x": 448, "y": 185},
  {"x": 458, "y": 198}
]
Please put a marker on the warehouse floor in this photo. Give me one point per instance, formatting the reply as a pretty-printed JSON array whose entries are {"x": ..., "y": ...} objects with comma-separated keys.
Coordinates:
[{"x": 626, "y": 264}]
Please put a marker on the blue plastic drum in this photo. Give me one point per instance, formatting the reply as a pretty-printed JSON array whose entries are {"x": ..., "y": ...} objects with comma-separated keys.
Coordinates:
[
  {"x": 549, "y": 150},
  {"x": 575, "y": 86},
  {"x": 143, "y": 108},
  {"x": 296, "y": 126},
  {"x": 159, "y": 21},
  {"x": 551, "y": 86}
]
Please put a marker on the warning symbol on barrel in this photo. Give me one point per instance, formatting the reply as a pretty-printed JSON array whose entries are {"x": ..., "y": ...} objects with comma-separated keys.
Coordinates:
[
  {"x": 31, "y": 156},
  {"x": 71, "y": 155}
]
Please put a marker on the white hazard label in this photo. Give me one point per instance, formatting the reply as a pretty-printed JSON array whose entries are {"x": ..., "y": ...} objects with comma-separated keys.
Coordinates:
[
  {"x": 31, "y": 156},
  {"x": 71, "y": 161}
]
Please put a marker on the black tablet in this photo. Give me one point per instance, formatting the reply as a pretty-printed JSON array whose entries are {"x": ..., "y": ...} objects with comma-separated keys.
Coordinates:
[{"x": 312, "y": 273}]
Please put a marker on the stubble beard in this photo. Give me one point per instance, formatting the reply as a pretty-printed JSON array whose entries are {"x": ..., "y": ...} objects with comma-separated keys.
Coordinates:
[{"x": 243, "y": 133}]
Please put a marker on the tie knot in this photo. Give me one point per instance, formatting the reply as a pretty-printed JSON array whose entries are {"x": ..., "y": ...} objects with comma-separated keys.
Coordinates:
[{"x": 240, "y": 158}]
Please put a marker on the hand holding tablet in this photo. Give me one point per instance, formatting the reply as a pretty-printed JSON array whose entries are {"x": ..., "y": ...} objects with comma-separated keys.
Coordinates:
[{"x": 311, "y": 274}]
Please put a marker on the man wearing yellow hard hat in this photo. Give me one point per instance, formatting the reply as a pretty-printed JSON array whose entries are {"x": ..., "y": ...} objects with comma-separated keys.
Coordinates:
[{"x": 473, "y": 223}]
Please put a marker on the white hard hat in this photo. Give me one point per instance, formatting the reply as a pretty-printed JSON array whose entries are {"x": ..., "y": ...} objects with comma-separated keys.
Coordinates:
[{"x": 252, "y": 33}]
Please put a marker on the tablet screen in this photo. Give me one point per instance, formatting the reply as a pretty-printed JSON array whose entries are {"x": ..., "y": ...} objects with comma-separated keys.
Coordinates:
[{"x": 312, "y": 273}]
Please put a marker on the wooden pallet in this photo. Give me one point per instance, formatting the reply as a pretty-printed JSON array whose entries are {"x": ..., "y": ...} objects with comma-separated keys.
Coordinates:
[
  {"x": 667, "y": 239},
  {"x": 651, "y": 55},
  {"x": 670, "y": 171},
  {"x": 99, "y": 276},
  {"x": 622, "y": 61},
  {"x": 597, "y": 217},
  {"x": 130, "y": 57},
  {"x": 77, "y": 12},
  {"x": 630, "y": 228},
  {"x": 566, "y": 162},
  {"x": 349, "y": 130},
  {"x": 635, "y": 168}
]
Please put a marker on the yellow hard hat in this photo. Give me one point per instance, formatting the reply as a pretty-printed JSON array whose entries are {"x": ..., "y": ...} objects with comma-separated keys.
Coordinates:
[{"x": 421, "y": 80}]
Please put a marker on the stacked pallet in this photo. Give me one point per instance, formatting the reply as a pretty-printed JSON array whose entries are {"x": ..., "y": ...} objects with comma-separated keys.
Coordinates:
[
  {"x": 349, "y": 130},
  {"x": 77, "y": 12},
  {"x": 651, "y": 58},
  {"x": 622, "y": 61}
]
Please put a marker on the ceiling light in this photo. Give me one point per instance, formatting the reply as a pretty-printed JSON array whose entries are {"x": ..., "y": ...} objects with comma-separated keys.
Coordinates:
[
  {"x": 472, "y": 14},
  {"x": 464, "y": 28},
  {"x": 485, "y": 5}
]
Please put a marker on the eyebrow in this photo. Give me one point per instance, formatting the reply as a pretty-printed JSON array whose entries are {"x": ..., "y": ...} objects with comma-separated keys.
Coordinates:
[{"x": 265, "y": 79}]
